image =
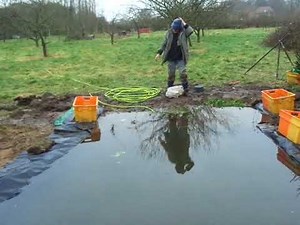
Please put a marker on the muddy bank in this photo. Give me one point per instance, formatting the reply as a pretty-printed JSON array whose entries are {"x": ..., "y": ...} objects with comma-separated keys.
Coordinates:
[{"x": 26, "y": 123}]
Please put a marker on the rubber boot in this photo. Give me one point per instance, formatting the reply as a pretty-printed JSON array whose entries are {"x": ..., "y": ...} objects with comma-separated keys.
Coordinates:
[
  {"x": 170, "y": 84},
  {"x": 185, "y": 88}
]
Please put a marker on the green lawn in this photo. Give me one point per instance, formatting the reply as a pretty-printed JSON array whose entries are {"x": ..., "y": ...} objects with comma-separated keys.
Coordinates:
[{"x": 221, "y": 57}]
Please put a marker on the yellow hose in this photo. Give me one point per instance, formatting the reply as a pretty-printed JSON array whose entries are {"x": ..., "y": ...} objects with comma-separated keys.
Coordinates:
[{"x": 131, "y": 95}]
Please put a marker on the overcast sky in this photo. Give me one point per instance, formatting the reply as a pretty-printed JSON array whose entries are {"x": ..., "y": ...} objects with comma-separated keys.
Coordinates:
[{"x": 113, "y": 7}]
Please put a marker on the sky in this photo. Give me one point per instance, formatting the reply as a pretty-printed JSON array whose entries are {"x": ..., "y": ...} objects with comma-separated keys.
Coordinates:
[{"x": 112, "y": 7}]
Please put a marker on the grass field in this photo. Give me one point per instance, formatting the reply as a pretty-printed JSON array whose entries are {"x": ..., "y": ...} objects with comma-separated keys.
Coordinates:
[{"x": 222, "y": 57}]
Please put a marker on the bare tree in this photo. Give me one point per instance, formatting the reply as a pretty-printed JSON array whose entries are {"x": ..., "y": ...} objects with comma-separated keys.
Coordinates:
[
  {"x": 4, "y": 20},
  {"x": 207, "y": 13},
  {"x": 102, "y": 24},
  {"x": 37, "y": 19},
  {"x": 111, "y": 29},
  {"x": 140, "y": 17},
  {"x": 33, "y": 19},
  {"x": 81, "y": 18},
  {"x": 169, "y": 9},
  {"x": 199, "y": 13}
]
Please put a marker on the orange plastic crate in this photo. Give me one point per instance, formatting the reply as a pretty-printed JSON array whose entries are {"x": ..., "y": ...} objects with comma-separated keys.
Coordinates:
[
  {"x": 293, "y": 78},
  {"x": 289, "y": 125},
  {"x": 85, "y": 108},
  {"x": 276, "y": 99}
]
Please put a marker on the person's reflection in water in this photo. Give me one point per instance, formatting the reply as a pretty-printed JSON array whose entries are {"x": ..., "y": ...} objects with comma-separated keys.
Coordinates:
[{"x": 177, "y": 143}]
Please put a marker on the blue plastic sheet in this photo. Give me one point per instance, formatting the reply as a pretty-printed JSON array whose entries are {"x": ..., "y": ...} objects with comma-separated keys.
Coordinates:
[{"x": 17, "y": 174}]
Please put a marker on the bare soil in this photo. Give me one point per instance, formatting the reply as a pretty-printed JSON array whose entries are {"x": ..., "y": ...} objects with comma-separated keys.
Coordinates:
[{"x": 27, "y": 122}]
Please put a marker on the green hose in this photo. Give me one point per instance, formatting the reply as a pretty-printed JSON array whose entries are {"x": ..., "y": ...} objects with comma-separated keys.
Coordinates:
[
  {"x": 125, "y": 106},
  {"x": 131, "y": 95}
]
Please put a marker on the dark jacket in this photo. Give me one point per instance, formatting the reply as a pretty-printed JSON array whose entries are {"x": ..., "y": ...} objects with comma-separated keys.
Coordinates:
[{"x": 182, "y": 41}]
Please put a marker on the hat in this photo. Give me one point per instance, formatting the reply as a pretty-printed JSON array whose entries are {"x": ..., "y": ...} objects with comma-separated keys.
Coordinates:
[{"x": 177, "y": 24}]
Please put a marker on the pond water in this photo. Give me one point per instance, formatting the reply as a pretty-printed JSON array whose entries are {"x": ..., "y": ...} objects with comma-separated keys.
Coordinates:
[{"x": 212, "y": 166}]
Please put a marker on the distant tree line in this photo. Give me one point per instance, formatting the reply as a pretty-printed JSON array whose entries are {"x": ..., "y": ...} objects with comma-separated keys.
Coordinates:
[
  {"x": 37, "y": 19},
  {"x": 78, "y": 19}
]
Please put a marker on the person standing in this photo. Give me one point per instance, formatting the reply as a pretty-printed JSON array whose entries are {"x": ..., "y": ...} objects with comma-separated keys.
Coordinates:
[{"x": 175, "y": 51}]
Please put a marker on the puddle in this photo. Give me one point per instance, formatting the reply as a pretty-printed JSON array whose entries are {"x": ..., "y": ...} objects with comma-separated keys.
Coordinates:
[{"x": 214, "y": 167}]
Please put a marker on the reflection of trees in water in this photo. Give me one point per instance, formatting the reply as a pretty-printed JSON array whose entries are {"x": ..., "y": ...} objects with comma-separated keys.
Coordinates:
[
  {"x": 296, "y": 178},
  {"x": 291, "y": 164},
  {"x": 203, "y": 126}
]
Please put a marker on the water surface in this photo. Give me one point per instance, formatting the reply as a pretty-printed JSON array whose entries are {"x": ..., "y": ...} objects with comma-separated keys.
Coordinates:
[{"x": 216, "y": 168}]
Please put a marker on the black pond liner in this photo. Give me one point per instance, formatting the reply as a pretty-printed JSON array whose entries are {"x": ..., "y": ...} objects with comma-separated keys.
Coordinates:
[
  {"x": 291, "y": 149},
  {"x": 17, "y": 174}
]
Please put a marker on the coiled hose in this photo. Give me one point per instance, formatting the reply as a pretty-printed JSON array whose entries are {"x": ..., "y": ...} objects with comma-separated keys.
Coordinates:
[{"x": 132, "y": 95}]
